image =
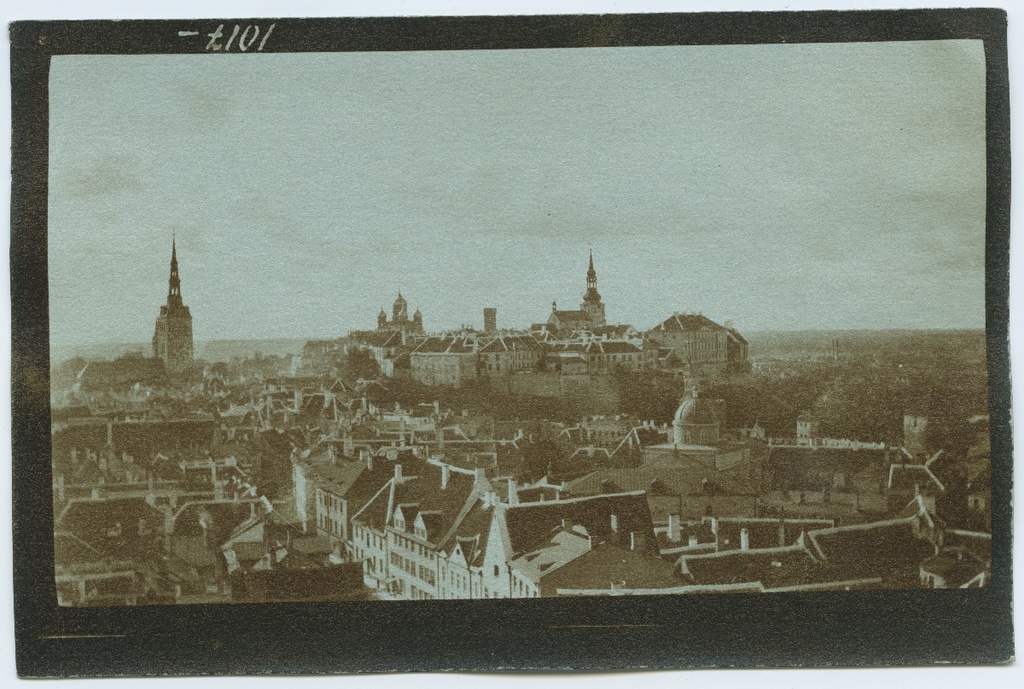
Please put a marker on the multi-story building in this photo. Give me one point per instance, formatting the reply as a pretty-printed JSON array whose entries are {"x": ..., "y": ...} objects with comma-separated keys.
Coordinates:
[
  {"x": 507, "y": 354},
  {"x": 401, "y": 533},
  {"x": 448, "y": 360},
  {"x": 700, "y": 343},
  {"x": 599, "y": 356}
]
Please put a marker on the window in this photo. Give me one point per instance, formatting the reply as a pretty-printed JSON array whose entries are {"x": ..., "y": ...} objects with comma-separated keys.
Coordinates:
[{"x": 496, "y": 570}]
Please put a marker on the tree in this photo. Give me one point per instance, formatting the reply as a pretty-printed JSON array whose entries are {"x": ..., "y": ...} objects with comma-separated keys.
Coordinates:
[{"x": 359, "y": 363}]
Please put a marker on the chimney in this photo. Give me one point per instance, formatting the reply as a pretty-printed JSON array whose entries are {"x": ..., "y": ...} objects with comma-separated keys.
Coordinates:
[
  {"x": 346, "y": 445},
  {"x": 693, "y": 540},
  {"x": 513, "y": 495},
  {"x": 714, "y": 525},
  {"x": 632, "y": 540},
  {"x": 673, "y": 528},
  {"x": 398, "y": 471},
  {"x": 366, "y": 456},
  {"x": 744, "y": 539},
  {"x": 615, "y": 523},
  {"x": 446, "y": 474},
  {"x": 440, "y": 440},
  {"x": 401, "y": 429}
]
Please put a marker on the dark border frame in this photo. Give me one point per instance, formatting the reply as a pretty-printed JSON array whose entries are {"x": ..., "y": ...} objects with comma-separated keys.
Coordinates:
[{"x": 824, "y": 629}]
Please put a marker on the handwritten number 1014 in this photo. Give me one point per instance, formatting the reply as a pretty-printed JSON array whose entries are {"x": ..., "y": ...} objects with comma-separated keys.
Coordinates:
[{"x": 246, "y": 38}]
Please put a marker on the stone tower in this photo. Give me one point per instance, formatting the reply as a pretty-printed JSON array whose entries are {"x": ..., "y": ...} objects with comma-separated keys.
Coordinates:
[
  {"x": 915, "y": 428},
  {"x": 172, "y": 340},
  {"x": 592, "y": 304}
]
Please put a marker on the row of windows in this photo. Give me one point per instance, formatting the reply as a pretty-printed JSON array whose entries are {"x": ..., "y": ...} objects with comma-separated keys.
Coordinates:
[
  {"x": 407, "y": 565},
  {"x": 370, "y": 539},
  {"x": 333, "y": 526},
  {"x": 521, "y": 590},
  {"x": 416, "y": 594},
  {"x": 456, "y": 581},
  {"x": 328, "y": 501},
  {"x": 411, "y": 545}
]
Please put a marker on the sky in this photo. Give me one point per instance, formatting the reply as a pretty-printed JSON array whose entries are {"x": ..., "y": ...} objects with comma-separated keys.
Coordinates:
[{"x": 783, "y": 187}]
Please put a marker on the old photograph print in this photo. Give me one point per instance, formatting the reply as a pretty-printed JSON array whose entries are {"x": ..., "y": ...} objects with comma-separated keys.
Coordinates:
[{"x": 517, "y": 323}]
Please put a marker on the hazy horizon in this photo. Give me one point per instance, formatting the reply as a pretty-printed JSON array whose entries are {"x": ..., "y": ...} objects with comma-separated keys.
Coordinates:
[
  {"x": 89, "y": 349},
  {"x": 816, "y": 187}
]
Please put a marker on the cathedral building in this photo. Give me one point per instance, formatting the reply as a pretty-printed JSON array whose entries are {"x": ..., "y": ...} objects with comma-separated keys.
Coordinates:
[
  {"x": 172, "y": 340},
  {"x": 590, "y": 314},
  {"x": 400, "y": 321}
]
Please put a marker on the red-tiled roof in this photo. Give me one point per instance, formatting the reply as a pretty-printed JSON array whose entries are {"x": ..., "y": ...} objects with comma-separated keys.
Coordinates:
[
  {"x": 773, "y": 567},
  {"x": 446, "y": 345},
  {"x": 529, "y": 524},
  {"x": 511, "y": 343},
  {"x": 889, "y": 549},
  {"x": 338, "y": 476},
  {"x": 607, "y": 566},
  {"x": 688, "y": 322}
]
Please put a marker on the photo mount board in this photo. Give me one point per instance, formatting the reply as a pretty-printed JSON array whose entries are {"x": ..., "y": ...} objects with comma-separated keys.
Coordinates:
[{"x": 855, "y": 628}]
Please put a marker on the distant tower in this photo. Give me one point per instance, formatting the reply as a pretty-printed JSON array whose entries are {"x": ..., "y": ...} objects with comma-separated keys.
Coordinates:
[
  {"x": 490, "y": 320},
  {"x": 592, "y": 304},
  {"x": 400, "y": 321},
  {"x": 806, "y": 430},
  {"x": 172, "y": 340},
  {"x": 400, "y": 310},
  {"x": 914, "y": 429}
]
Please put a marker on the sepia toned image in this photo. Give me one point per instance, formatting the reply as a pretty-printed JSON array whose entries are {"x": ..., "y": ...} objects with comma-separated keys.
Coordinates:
[{"x": 542, "y": 323}]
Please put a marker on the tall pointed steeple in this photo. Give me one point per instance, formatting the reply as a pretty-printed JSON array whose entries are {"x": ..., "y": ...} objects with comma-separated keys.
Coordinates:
[
  {"x": 592, "y": 298},
  {"x": 172, "y": 339},
  {"x": 174, "y": 284}
]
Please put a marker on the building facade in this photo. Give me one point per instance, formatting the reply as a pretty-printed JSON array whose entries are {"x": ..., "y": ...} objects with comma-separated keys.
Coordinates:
[
  {"x": 445, "y": 360},
  {"x": 698, "y": 342},
  {"x": 172, "y": 340}
]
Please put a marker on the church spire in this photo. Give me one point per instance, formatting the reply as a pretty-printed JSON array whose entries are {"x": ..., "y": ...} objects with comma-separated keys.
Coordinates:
[
  {"x": 592, "y": 298},
  {"x": 174, "y": 284},
  {"x": 172, "y": 338}
]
